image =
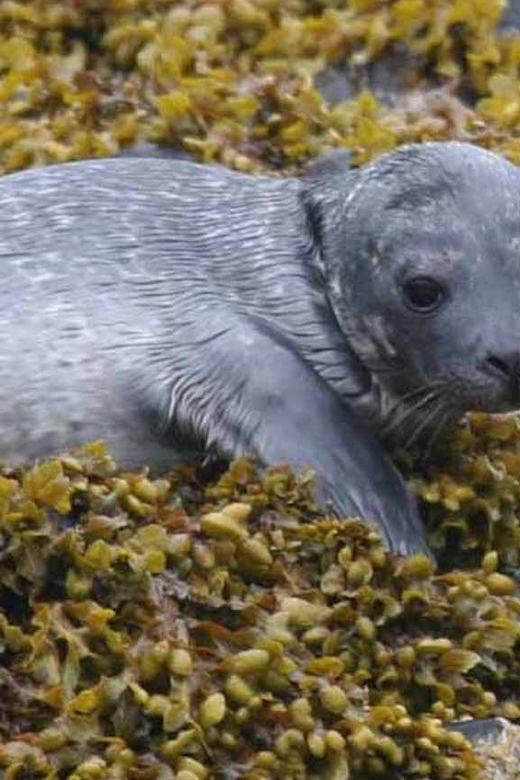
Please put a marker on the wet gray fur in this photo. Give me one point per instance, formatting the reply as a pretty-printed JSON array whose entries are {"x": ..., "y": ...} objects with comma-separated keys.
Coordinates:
[{"x": 161, "y": 304}]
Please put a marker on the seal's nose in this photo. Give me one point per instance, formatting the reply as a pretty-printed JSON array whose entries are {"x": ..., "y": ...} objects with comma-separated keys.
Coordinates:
[{"x": 507, "y": 364}]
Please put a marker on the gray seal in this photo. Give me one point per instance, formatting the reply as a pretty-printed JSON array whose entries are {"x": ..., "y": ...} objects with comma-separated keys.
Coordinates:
[{"x": 162, "y": 304}]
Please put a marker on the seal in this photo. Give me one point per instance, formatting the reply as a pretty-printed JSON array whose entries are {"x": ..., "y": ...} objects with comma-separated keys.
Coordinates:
[{"x": 167, "y": 306}]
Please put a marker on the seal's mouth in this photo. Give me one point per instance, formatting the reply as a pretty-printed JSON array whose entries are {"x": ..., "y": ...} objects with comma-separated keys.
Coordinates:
[
  {"x": 419, "y": 414},
  {"x": 411, "y": 406}
]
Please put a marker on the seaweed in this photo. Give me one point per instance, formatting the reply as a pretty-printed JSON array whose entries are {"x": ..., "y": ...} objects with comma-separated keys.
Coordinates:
[
  {"x": 236, "y": 81},
  {"x": 237, "y": 632}
]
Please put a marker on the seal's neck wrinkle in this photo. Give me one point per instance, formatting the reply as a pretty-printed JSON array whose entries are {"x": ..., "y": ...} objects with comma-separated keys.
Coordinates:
[
  {"x": 326, "y": 201},
  {"x": 328, "y": 204}
]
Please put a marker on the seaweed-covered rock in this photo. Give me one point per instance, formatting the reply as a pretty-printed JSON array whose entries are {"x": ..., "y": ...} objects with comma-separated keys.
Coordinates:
[
  {"x": 236, "y": 81},
  {"x": 151, "y": 628}
]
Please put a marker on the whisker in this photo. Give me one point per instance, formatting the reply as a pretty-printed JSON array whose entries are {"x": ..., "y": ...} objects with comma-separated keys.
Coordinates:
[
  {"x": 384, "y": 368},
  {"x": 418, "y": 391},
  {"x": 428, "y": 418},
  {"x": 424, "y": 396},
  {"x": 443, "y": 417}
]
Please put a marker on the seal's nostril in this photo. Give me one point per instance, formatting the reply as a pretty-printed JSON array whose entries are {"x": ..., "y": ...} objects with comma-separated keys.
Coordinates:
[
  {"x": 507, "y": 365},
  {"x": 499, "y": 364}
]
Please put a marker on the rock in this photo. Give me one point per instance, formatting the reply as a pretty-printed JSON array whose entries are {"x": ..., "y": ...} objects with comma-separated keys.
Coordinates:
[
  {"x": 510, "y": 19},
  {"x": 388, "y": 77},
  {"x": 146, "y": 149},
  {"x": 497, "y": 741}
]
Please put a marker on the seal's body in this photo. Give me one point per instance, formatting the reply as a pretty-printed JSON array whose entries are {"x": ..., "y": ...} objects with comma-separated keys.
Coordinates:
[{"x": 156, "y": 302}]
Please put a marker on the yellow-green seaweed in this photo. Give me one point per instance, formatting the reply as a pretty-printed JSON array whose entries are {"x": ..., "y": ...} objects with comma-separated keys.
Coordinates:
[{"x": 147, "y": 646}]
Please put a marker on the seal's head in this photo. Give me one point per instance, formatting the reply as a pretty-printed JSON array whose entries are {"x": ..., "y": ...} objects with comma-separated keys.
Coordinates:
[{"x": 422, "y": 269}]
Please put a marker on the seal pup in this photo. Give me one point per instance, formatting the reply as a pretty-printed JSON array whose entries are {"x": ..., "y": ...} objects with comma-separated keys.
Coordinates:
[{"x": 156, "y": 303}]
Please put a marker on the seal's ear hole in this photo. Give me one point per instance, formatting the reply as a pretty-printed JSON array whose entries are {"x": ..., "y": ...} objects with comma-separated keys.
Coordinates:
[{"x": 423, "y": 294}]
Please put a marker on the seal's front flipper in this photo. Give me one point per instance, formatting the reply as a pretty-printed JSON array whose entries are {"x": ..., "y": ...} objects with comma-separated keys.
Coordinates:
[
  {"x": 307, "y": 424},
  {"x": 243, "y": 389}
]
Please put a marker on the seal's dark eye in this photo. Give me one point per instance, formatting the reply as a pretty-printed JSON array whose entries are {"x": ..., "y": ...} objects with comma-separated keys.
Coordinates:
[{"x": 423, "y": 294}]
